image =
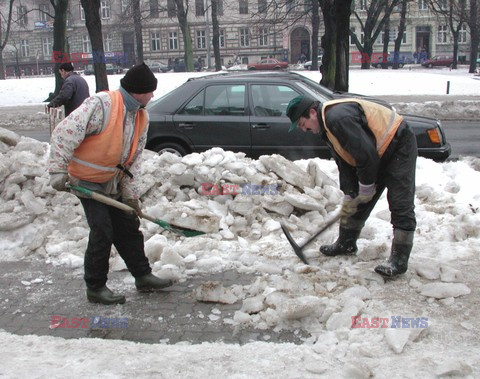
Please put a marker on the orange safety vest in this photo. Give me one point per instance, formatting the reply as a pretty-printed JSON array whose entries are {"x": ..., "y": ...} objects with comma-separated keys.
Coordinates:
[
  {"x": 382, "y": 121},
  {"x": 97, "y": 157}
]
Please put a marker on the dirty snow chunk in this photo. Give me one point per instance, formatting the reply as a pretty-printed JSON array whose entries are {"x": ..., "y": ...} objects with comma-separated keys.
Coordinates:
[
  {"x": 397, "y": 338},
  {"x": 154, "y": 247},
  {"x": 9, "y": 137},
  {"x": 170, "y": 256},
  {"x": 277, "y": 204},
  {"x": 357, "y": 370},
  {"x": 176, "y": 169},
  {"x": 449, "y": 274},
  {"x": 25, "y": 282},
  {"x": 70, "y": 260},
  {"x": 9, "y": 221},
  {"x": 253, "y": 305},
  {"x": 359, "y": 292},
  {"x": 287, "y": 170},
  {"x": 302, "y": 201},
  {"x": 271, "y": 226},
  {"x": 193, "y": 159},
  {"x": 427, "y": 270},
  {"x": 214, "y": 292},
  {"x": 301, "y": 307},
  {"x": 453, "y": 367},
  {"x": 320, "y": 178},
  {"x": 33, "y": 204},
  {"x": 443, "y": 290}
]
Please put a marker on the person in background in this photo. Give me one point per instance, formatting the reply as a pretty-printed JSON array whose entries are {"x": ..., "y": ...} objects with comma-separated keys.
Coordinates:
[
  {"x": 73, "y": 92},
  {"x": 99, "y": 147},
  {"x": 374, "y": 149}
]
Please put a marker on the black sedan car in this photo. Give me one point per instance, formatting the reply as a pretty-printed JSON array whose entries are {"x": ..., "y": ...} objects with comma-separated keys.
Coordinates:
[{"x": 245, "y": 111}]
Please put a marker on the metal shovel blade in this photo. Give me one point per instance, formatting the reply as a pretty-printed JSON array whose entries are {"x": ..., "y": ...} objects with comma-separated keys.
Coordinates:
[{"x": 296, "y": 249}]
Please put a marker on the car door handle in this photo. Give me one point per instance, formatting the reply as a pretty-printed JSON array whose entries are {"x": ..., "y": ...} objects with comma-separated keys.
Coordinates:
[
  {"x": 186, "y": 125},
  {"x": 260, "y": 126}
]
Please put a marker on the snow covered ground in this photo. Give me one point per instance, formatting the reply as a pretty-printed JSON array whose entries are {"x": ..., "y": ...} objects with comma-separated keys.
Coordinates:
[{"x": 430, "y": 326}]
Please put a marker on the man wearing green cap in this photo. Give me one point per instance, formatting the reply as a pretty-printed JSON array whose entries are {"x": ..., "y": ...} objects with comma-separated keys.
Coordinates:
[{"x": 374, "y": 149}]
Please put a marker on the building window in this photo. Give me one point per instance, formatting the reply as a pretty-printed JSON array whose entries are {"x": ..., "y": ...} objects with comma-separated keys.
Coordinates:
[
  {"x": 423, "y": 5},
  {"x": 201, "y": 39},
  {"x": 155, "y": 38},
  {"x": 171, "y": 8},
  {"x": 262, "y": 6},
  {"x": 86, "y": 45},
  {"x": 243, "y": 4},
  {"x": 22, "y": 15},
  {"x": 47, "y": 46},
  {"x": 173, "y": 40},
  {"x": 24, "y": 50},
  {"x": 263, "y": 37},
  {"x": 442, "y": 34},
  {"x": 199, "y": 8},
  {"x": 126, "y": 7},
  {"x": 82, "y": 13},
  {"x": 43, "y": 12},
  {"x": 462, "y": 34},
  {"x": 221, "y": 38},
  {"x": 244, "y": 37},
  {"x": 220, "y": 7},
  {"x": 154, "y": 9},
  {"x": 105, "y": 9},
  {"x": 107, "y": 43}
]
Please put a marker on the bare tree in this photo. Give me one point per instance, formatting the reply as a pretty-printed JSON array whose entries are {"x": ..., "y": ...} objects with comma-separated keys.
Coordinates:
[
  {"x": 94, "y": 27},
  {"x": 5, "y": 25},
  {"x": 216, "y": 36},
  {"x": 315, "y": 30},
  {"x": 137, "y": 24},
  {"x": 401, "y": 30},
  {"x": 474, "y": 24},
  {"x": 378, "y": 12},
  {"x": 335, "y": 43},
  {"x": 455, "y": 14},
  {"x": 60, "y": 8},
  {"x": 182, "y": 12}
]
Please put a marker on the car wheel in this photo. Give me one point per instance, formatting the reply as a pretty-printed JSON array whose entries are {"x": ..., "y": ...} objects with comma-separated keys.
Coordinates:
[
  {"x": 400, "y": 65},
  {"x": 171, "y": 147},
  {"x": 430, "y": 65},
  {"x": 251, "y": 68}
]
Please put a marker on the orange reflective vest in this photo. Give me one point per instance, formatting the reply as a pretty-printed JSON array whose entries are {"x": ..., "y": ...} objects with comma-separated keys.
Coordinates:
[
  {"x": 97, "y": 157},
  {"x": 382, "y": 121}
]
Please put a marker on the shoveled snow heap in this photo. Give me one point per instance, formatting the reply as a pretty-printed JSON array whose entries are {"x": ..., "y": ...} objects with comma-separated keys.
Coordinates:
[{"x": 243, "y": 233}]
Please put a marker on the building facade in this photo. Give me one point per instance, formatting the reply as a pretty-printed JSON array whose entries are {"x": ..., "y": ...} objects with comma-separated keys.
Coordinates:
[{"x": 249, "y": 30}]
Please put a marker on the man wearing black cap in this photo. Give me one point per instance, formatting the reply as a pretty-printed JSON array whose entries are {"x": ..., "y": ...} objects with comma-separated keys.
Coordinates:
[
  {"x": 73, "y": 92},
  {"x": 374, "y": 149},
  {"x": 99, "y": 147}
]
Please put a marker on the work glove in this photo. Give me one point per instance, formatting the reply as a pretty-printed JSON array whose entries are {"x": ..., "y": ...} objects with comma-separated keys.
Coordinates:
[
  {"x": 135, "y": 204},
  {"x": 58, "y": 180},
  {"x": 350, "y": 204}
]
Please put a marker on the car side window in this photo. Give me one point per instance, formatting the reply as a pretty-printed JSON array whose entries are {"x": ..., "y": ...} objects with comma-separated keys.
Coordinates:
[
  {"x": 194, "y": 106},
  {"x": 271, "y": 100},
  {"x": 225, "y": 100}
]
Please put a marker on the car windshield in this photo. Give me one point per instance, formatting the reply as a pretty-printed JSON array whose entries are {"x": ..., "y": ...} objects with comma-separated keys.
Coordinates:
[{"x": 316, "y": 90}]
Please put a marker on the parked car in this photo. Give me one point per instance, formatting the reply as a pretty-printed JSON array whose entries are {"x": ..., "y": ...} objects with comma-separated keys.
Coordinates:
[
  {"x": 308, "y": 65},
  {"x": 438, "y": 60},
  {"x": 159, "y": 67},
  {"x": 389, "y": 62},
  {"x": 245, "y": 112},
  {"x": 111, "y": 69},
  {"x": 268, "y": 64},
  {"x": 179, "y": 65}
]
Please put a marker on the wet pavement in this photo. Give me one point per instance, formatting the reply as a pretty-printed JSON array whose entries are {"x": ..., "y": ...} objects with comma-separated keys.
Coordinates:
[{"x": 41, "y": 299}]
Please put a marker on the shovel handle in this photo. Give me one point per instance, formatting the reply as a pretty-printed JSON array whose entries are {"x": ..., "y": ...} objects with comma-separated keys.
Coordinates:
[{"x": 102, "y": 198}]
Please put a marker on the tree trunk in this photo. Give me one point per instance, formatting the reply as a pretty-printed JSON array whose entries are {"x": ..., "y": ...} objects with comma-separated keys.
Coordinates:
[
  {"x": 315, "y": 29},
  {"x": 60, "y": 8},
  {"x": 137, "y": 23},
  {"x": 94, "y": 27},
  {"x": 4, "y": 39},
  {"x": 187, "y": 38},
  {"x": 474, "y": 34},
  {"x": 401, "y": 30},
  {"x": 216, "y": 37},
  {"x": 386, "y": 42}
]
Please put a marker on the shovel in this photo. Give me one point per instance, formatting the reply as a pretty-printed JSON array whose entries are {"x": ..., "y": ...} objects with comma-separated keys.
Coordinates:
[
  {"x": 124, "y": 207},
  {"x": 298, "y": 250}
]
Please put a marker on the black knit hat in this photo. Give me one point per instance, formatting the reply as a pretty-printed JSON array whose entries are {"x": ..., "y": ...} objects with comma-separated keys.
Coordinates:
[{"x": 139, "y": 79}]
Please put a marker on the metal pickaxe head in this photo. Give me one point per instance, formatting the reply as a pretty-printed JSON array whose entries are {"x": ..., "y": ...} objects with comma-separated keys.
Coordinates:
[{"x": 297, "y": 249}]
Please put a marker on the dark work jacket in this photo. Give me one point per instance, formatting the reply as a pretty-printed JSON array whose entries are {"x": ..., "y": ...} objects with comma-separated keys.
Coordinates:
[
  {"x": 74, "y": 90},
  {"x": 348, "y": 124}
]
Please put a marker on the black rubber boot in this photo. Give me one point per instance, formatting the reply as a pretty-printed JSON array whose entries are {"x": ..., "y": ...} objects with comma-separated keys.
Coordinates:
[
  {"x": 346, "y": 244},
  {"x": 150, "y": 282},
  {"x": 103, "y": 295},
  {"x": 397, "y": 264}
]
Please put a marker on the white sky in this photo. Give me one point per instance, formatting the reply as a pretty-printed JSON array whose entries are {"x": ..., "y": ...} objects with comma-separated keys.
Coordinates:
[{"x": 444, "y": 263}]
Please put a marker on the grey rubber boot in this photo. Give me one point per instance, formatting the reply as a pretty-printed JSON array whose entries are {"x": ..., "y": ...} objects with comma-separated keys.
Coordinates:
[
  {"x": 346, "y": 244},
  {"x": 150, "y": 282},
  {"x": 104, "y": 295},
  {"x": 397, "y": 264}
]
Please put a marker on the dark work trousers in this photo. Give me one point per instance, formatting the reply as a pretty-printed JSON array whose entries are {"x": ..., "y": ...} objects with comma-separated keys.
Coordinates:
[
  {"x": 109, "y": 225},
  {"x": 397, "y": 174}
]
